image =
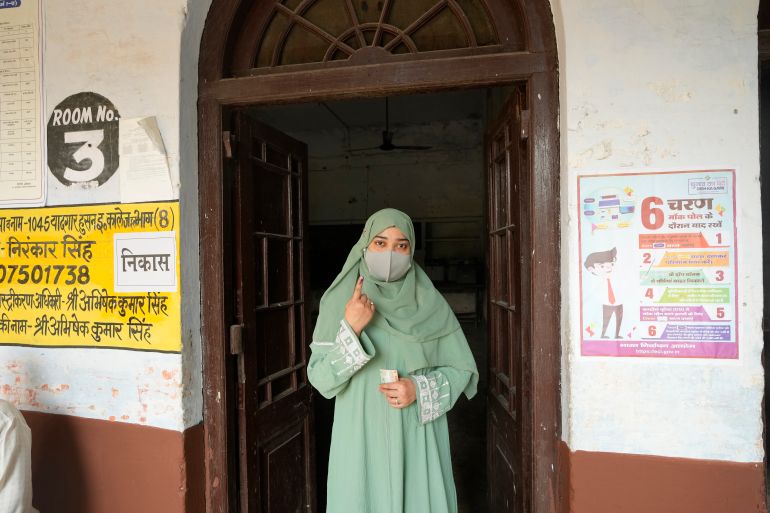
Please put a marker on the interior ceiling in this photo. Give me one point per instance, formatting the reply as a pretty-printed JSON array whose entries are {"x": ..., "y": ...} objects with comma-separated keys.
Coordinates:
[{"x": 366, "y": 112}]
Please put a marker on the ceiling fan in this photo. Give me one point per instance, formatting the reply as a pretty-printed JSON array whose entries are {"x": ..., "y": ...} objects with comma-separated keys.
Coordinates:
[{"x": 387, "y": 137}]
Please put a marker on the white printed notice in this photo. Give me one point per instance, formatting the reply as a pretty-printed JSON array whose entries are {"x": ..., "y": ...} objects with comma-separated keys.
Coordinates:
[
  {"x": 145, "y": 262},
  {"x": 144, "y": 172},
  {"x": 658, "y": 264},
  {"x": 21, "y": 162}
]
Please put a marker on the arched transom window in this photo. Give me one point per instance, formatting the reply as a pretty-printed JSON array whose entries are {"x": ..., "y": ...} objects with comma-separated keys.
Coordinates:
[{"x": 297, "y": 32}]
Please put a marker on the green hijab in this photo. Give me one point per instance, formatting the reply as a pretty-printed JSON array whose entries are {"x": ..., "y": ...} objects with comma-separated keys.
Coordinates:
[{"x": 409, "y": 309}]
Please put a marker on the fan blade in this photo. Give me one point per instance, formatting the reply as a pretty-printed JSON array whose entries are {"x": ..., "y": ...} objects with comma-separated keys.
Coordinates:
[
  {"x": 397, "y": 147},
  {"x": 390, "y": 147},
  {"x": 387, "y": 137},
  {"x": 368, "y": 148}
]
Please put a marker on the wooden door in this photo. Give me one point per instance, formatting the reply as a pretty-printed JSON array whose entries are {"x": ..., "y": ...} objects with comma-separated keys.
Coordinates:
[
  {"x": 276, "y": 467},
  {"x": 509, "y": 345}
]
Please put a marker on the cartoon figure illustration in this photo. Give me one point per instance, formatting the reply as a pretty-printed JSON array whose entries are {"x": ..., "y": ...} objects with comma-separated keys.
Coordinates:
[{"x": 602, "y": 265}]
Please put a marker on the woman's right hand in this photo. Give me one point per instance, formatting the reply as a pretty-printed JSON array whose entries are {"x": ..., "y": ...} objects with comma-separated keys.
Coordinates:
[{"x": 359, "y": 310}]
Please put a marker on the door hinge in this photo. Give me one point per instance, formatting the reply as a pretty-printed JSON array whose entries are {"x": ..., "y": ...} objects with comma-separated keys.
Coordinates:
[
  {"x": 524, "y": 124},
  {"x": 227, "y": 142},
  {"x": 236, "y": 339},
  {"x": 236, "y": 348}
]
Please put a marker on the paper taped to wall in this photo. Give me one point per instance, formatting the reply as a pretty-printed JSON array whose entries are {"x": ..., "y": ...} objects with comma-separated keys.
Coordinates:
[
  {"x": 144, "y": 170},
  {"x": 91, "y": 276},
  {"x": 22, "y": 181}
]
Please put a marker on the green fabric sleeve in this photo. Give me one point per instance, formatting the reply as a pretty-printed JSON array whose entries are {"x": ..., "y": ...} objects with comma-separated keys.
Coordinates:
[
  {"x": 332, "y": 364},
  {"x": 437, "y": 391}
]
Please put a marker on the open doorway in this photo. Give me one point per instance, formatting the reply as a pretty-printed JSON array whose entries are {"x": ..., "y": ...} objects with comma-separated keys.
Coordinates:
[
  {"x": 259, "y": 427},
  {"x": 436, "y": 173}
]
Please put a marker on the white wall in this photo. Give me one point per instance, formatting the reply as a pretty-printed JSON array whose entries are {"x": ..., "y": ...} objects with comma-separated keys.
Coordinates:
[
  {"x": 130, "y": 53},
  {"x": 645, "y": 85},
  {"x": 192, "y": 360},
  {"x": 656, "y": 85}
]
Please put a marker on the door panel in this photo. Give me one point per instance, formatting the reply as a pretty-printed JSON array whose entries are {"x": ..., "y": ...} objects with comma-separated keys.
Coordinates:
[
  {"x": 508, "y": 223},
  {"x": 502, "y": 482},
  {"x": 274, "y": 400}
]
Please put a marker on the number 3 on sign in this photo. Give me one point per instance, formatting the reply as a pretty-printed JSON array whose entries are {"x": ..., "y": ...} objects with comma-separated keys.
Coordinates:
[{"x": 89, "y": 150}]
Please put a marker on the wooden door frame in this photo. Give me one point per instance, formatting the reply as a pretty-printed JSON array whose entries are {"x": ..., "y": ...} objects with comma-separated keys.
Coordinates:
[{"x": 537, "y": 66}]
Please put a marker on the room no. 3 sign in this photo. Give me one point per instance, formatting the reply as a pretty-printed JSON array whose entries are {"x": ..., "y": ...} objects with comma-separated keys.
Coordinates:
[{"x": 83, "y": 139}]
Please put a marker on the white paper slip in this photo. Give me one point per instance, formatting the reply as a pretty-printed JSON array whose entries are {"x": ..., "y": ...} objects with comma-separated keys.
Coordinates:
[{"x": 388, "y": 375}]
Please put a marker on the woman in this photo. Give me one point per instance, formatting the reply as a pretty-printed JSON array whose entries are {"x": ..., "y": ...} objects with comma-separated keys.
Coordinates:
[{"x": 390, "y": 444}]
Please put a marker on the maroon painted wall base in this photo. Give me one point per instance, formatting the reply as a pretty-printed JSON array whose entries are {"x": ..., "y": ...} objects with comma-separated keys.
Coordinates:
[
  {"x": 96, "y": 466},
  {"x": 628, "y": 483}
]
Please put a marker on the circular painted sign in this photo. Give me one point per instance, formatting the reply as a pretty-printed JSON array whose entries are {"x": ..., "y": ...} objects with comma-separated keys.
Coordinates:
[{"x": 83, "y": 139}]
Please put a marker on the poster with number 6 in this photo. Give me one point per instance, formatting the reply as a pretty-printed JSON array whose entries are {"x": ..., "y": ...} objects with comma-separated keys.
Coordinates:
[{"x": 658, "y": 266}]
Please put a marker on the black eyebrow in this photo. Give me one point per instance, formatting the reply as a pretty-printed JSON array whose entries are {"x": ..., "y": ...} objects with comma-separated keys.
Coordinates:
[{"x": 385, "y": 238}]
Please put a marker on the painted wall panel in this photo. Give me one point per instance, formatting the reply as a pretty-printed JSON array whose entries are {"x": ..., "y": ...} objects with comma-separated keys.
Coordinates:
[
  {"x": 131, "y": 53},
  {"x": 653, "y": 86},
  {"x": 128, "y": 53},
  {"x": 107, "y": 384},
  {"x": 645, "y": 86}
]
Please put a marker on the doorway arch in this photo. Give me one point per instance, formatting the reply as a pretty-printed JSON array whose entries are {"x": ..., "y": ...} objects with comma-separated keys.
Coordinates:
[{"x": 246, "y": 59}]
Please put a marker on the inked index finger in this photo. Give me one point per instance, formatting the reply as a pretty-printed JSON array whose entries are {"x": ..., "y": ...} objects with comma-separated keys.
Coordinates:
[{"x": 357, "y": 288}]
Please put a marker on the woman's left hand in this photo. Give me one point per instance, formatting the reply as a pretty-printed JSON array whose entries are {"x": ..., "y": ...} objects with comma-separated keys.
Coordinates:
[{"x": 399, "y": 394}]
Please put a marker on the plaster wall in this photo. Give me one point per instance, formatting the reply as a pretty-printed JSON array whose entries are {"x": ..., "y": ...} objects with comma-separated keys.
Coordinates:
[
  {"x": 129, "y": 53},
  {"x": 350, "y": 177},
  {"x": 445, "y": 181},
  {"x": 644, "y": 86},
  {"x": 654, "y": 85}
]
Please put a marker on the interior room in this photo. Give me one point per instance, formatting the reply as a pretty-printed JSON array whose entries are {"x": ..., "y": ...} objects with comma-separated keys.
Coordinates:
[{"x": 423, "y": 154}]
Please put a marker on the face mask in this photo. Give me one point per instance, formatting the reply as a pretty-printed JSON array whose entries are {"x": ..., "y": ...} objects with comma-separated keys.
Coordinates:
[{"x": 387, "y": 265}]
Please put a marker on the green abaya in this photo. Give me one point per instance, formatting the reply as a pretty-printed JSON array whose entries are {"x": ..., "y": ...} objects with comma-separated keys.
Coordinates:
[{"x": 383, "y": 459}]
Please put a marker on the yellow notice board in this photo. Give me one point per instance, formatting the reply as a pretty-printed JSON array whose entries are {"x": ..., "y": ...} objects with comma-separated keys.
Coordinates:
[{"x": 91, "y": 276}]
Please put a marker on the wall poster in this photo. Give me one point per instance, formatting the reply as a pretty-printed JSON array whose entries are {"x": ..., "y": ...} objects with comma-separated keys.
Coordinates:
[
  {"x": 658, "y": 268},
  {"x": 22, "y": 181},
  {"x": 82, "y": 143},
  {"x": 91, "y": 276},
  {"x": 83, "y": 134}
]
